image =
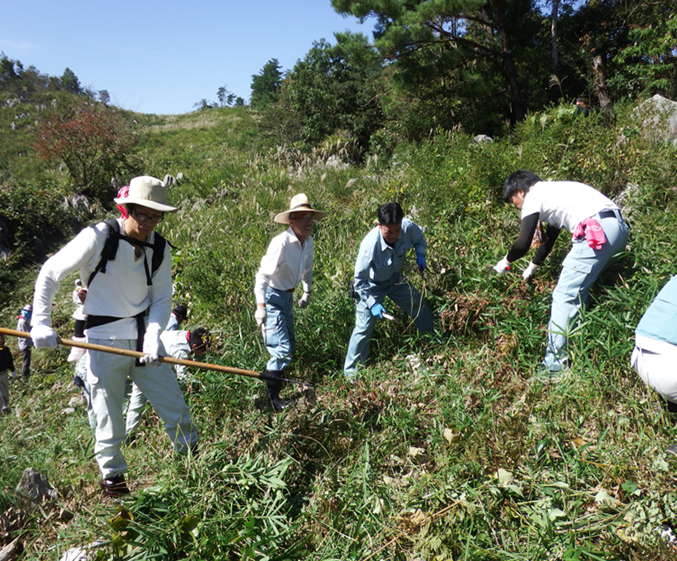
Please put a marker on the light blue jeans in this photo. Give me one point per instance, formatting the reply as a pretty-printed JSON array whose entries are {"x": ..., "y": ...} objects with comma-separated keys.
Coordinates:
[
  {"x": 279, "y": 336},
  {"x": 579, "y": 270},
  {"x": 407, "y": 297}
]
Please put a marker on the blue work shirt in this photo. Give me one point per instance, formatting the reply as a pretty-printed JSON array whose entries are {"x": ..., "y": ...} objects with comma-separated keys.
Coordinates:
[
  {"x": 378, "y": 265},
  {"x": 659, "y": 322}
]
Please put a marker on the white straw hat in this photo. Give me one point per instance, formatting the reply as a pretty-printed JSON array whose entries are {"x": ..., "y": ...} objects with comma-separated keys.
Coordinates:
[
  {"x": 148, "y": 192},
  {"x": 299, "y": 203}
]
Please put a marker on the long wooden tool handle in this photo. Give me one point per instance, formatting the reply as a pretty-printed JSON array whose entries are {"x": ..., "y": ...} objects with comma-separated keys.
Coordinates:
[{"x": 137, "y": 354}]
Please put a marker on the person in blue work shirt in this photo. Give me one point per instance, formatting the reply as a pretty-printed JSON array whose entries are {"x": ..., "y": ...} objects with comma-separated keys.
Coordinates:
[
  {"x": 655, "y": 352},
  {"x": 378, "y": 273},
  {"x": 176, "y": 318}
]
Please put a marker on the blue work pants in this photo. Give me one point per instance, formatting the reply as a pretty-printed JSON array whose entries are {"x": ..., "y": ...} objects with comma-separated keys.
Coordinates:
[
  {"x": 279, "y": 331},
  {"x": 407, "y": 297}
]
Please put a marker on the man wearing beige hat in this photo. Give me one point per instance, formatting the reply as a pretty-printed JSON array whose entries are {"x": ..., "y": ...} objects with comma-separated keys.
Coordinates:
[
  {"x": 128, "y": 267},
  {"x": 288, "y": 262}
]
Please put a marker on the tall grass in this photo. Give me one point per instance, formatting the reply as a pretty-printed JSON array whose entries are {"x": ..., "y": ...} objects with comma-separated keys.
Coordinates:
[{"x": 444, "y": 451}]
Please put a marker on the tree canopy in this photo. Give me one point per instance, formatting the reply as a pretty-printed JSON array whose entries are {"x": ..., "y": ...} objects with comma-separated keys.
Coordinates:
[
  {"x": 267, "y": 85},
  {"x": 338, "y": 88}
]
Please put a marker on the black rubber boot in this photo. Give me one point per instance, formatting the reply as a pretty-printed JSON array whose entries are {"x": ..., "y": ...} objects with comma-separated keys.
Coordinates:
[{"x": 273, "y": 387}]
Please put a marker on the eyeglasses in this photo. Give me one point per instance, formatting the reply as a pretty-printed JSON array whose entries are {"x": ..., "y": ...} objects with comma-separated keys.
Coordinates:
[
  {"x": 304, "y": 219},
  {"x": 140, "y": 217}
]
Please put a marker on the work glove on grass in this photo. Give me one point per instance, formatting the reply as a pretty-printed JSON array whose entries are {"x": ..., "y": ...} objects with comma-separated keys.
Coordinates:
[
  {"x": 530, "y": 271},
  {"x": 420, "y": 261},
  {"x": 260, "y": 315},
  {"x": 43, "y": 337},
  {"x": 377, "y": 310},
  {"x": 502, "y": 266},
  {"x": 305, "y": 299}
]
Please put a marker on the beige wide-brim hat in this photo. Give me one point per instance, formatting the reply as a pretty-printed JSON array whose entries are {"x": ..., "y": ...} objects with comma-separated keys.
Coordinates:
[
  {"x": 149, "y": 192},
  {"x": 299, "y": 203}
]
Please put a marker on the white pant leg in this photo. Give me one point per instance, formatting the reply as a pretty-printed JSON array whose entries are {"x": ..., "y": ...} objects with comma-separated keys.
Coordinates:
[
  {"x": 657, "y": 371},
  {"x": 106, "y": 375},
  {"x": 160, "y": 387},
  {"x": 137, "y": 401}
]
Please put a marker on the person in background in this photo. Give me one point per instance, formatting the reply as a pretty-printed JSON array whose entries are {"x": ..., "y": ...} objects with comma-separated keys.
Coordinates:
[
  {"x": 78, "y": 355},
  {"x": 287, "y": 262},
  {"x": 6, "y": 365},
  {"x": 176, "y": 318},
  {"x": 25, "y": 343},
  {"x": 581, "y": 107},
  {"x": 178, "y": 344},
  {"x": 599, "y": 232},
  {"x": 378, "y": 273}
]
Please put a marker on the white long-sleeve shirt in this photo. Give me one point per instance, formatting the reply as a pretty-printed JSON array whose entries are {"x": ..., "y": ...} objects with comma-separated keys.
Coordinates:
[
  {"x": 119, "y": 292},
  {"x": 285, "y": 264}
]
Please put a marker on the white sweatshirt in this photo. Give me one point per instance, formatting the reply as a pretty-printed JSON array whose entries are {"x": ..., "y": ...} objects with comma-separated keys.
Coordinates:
[{"x": 119, "y": 292}]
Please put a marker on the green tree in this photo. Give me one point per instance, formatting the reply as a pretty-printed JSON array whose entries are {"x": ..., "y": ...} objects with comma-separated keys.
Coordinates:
[
  {"x": 69, "y": 82},
  {"x": 93, "y": 140},
  {"x": 204, "y": 105},
  {"x": 434, "y": 42},
  {"x": 226, "y": 98},
  {"x": 267, "y": 85},
  {"x": 338, "y": 88},
  {"x": 8, "y": 70},
  {"x": 650, "y": 57}
]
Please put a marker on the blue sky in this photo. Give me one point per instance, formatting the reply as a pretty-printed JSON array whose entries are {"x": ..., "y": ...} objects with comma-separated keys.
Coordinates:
[{"x": 164, "y": 56}]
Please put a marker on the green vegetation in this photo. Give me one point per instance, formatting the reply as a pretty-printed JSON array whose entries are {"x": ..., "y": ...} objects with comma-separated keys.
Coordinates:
[
  {"x": 438, "y": 452},
  {"x": 443, "y": 452}
]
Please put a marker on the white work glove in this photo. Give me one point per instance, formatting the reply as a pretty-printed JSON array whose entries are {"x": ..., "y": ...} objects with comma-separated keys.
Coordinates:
[
  {"x": 260, "y": 315},
  {"x": 151, "y": 345},
  {"x": 530, "y": 271},
  {"x": 303, "y": 302},
  {"x": 502, "y": 266},
  {"x": 43, "y": 336},
  {"x": 77, "y": 352}
]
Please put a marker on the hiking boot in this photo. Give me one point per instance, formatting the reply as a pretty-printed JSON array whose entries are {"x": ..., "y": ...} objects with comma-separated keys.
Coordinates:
[
  {"x": 273, "y": 387},
  {"x": 114, "y": 486}
]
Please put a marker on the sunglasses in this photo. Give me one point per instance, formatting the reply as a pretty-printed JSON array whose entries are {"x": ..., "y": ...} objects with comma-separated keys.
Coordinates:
[{"x": 143, "y": 218}]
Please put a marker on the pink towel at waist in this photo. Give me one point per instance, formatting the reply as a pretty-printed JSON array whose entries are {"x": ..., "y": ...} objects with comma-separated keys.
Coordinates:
[{"x": 593, "y": 232}]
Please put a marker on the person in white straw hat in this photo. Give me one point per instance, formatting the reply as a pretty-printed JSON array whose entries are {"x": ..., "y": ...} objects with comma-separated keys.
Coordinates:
[
  {"x": 129, "y": 297},
  {"x": 288, "y": 262}
]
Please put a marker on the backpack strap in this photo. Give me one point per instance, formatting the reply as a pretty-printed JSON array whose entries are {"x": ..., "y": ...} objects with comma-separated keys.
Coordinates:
[
  {"x": 158, "y": 252},
  {"x": 110, "y": 248}
]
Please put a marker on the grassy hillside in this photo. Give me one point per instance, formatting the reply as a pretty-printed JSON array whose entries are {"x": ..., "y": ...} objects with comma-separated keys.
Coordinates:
[{"x": 438, "y": 452}]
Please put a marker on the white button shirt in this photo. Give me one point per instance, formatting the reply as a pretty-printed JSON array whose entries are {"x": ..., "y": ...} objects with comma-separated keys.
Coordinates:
[{"x": 285, "y": 264}]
